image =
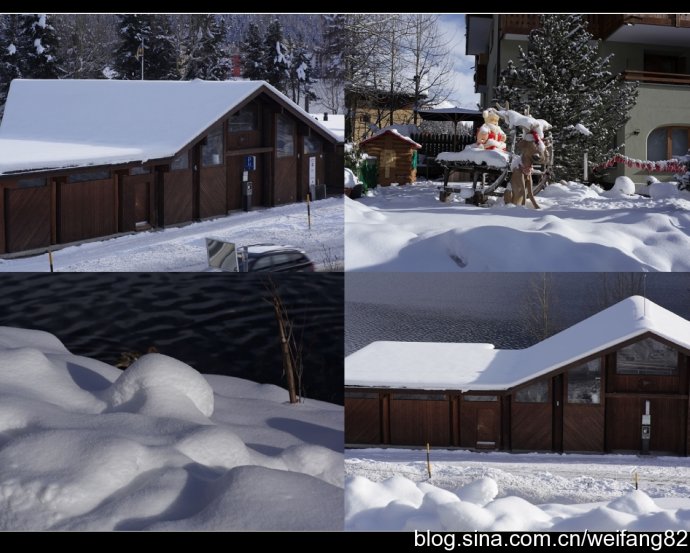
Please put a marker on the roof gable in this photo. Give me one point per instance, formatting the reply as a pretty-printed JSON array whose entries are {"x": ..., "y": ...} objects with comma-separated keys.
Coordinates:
[
  {"x": 480, "y": 367},
  {"x": 63, "y": 123}
]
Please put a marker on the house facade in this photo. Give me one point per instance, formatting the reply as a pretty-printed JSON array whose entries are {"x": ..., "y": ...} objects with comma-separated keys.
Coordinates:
[
  {"x": 82, "y": 159},
  {"x": 653, "y": 49},
  {"x": 585, "y": 389}
]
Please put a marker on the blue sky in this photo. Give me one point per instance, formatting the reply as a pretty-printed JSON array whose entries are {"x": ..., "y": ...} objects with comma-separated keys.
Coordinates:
[{"x": 453, "y": 26}]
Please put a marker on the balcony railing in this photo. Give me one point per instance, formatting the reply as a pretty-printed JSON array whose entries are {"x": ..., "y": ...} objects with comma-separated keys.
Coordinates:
[
  {"x": 601, "y": 26},
  {"x": 655, "y": 77}
]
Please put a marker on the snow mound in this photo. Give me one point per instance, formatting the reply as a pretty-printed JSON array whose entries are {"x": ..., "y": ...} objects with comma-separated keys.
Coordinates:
[
  {"x": 624, "y": 185},
  {"x": 157, "y": 379},
  {"x": 11, "y": 338},
  {"x": 241, "y": 498},
  {"x": 215, "y": 446},
  {"x": 661, "y": 190},
  {"x": 400, "y": 504},
  {"x": 635, "y": 503},
  {"x": 84, "y": 446},
  {"x": 480, "y": 492}
]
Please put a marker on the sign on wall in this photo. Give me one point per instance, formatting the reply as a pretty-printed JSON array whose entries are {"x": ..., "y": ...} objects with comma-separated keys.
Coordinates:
[{"x": 312, "y": 170}]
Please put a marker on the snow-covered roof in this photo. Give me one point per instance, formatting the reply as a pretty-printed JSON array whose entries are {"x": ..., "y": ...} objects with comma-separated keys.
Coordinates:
[
  {"x": 335, "y": 123},
  {"x": 59, "y": 123},
  {"x": 439, "y": 366},
  {"x": 394, "y": 132}
]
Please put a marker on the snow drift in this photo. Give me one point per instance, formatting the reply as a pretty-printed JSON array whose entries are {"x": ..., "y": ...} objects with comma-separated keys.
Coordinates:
[
  {"x": 397, "y": 504},
  {"x": 85, "y": 446}
]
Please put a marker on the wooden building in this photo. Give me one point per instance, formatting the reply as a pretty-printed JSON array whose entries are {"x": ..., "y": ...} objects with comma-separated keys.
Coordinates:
[
  {"x": 585, "y": 389},
  {"x": 396, "y": 155},
  {"x": 81, "y": 159}
]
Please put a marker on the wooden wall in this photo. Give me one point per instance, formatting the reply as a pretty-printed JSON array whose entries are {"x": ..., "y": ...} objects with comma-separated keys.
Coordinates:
[
  {"x": 213, "y": 192},
  {"x": 363, "y": 419},
  {"x": 27, "y": 218},
  {"x": 480, "y": 424},
  {"x": 137, "y": 193},
  {"x": 531, "y": 426},
  {"x": 401, "y": 171},
  {"x": 177, "y": 199},
  {"x": 87, "y": 210},
  {"x": 583, "y": 427},
  {"x": 418, "y": 421}
]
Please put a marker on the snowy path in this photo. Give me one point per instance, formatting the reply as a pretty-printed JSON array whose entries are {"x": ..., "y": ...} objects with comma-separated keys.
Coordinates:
[
  {"x": 184, "y": 248},
  {"x": 406, "y": 228},
  {"x": 538, "y": 478}
]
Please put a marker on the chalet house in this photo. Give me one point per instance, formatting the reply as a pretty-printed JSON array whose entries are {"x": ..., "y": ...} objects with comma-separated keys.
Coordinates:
[
  {"x": 81, "y": 159},
  {"x": 584, "y": 389},
  {"x": 653, "y": 49}
]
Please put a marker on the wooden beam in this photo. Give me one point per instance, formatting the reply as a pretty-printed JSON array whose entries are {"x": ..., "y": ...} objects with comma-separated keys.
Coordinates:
[
  {"x": 249, "y": 151},
  {"x": 3, "y": 246}
]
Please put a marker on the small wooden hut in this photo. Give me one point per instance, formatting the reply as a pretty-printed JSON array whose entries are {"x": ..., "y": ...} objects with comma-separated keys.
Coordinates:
[
  {"x": 396, "y": 154},
  {"x": 604, "y": 385}
]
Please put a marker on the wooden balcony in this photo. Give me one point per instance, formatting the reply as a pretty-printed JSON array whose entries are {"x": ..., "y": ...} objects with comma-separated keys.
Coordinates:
[
  {"x": 658, "y": 78},
  {"x": 601, "y": 26}
]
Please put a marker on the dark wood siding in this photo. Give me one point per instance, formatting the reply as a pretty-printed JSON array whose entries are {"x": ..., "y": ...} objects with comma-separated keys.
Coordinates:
[
  {"x": 418, "y": 421},
  {"x": 212, "y": 192},
  {"x": 285, "y": 180},
  {"x": 531, "y": 426},
  {"x": 87, "y": 209},
  {"x": 177, "y": 197},
  {"x": 27, "y": 218},
  {"x": 583, "y": 427},
  {"x": 623, "y": 420},
  {"x": 244, "y": 139},
  {"x": 137, "y": 200},
  {"x": 362, "y": 420},
  {"x": 480, "y": 423}
]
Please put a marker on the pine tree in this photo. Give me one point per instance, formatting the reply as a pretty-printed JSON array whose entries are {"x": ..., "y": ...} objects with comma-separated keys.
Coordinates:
[
  {"x": 11, "y": 45},
  {"x": 562, "y": 78},
  {"x": 160, "y": 54},
  {"x": 41, "y": 41},
  {"x": 252, "y": 51},
  {"x": 301, "y": 82},
  {"x": 207, "y": 56},
  {"x": 276, "y": 56},
  {"x": 334, "y": 37}
]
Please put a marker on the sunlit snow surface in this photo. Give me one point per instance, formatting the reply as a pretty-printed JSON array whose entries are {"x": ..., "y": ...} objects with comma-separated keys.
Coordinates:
[
  {"x": 390, "y": 490},
  {"x": 579, "y": 228},
  {"x": 85, "y": 446}
]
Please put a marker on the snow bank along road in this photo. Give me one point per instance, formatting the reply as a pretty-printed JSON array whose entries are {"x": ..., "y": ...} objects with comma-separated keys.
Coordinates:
[
  {"x": 503, "y": 491},
  {"x": 579, "y": 228},
  {"x": 85, "y": 446},
  {"x": 184, "y": 248}
]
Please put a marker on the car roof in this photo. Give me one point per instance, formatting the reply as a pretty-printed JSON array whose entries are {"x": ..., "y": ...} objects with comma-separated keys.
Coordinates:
[{"x": 257, "y": 249}]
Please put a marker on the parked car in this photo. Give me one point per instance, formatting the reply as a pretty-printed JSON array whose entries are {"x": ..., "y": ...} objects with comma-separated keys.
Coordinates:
[
  {"x": 270, "y": 257},
  {"x": 225, "y": 256}
]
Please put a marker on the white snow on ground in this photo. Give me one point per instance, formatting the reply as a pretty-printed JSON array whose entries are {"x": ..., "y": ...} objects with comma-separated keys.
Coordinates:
[
  {"x": 85, "y": 446},
  {"x": 184, "y": 248},
  {"x": 579, "y": 228},
  {"x": 389, "y": 489}
]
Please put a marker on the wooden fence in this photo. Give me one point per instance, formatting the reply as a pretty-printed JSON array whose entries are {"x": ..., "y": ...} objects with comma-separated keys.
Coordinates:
[{"x": 433, "y": 143}]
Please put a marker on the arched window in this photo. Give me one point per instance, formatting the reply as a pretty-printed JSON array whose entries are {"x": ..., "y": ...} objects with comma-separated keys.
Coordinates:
[{"x": 667, "y": 142}]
